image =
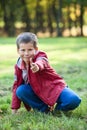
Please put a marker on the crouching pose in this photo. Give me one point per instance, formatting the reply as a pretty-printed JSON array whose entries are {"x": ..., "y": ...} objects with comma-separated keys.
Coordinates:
[{"x": 36, "y": 83}]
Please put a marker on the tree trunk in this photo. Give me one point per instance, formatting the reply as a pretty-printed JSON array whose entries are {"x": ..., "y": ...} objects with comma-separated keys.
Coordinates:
[
  {"x": 25, "y": 17},
  {"x": 9, "y": 19},
  {"x": 81, "y": 19},
  {"x": 59, "y": 19}
]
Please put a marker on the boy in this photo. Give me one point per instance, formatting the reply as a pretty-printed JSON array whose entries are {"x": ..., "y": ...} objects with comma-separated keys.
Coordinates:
[{"x": 36, "y": 83}]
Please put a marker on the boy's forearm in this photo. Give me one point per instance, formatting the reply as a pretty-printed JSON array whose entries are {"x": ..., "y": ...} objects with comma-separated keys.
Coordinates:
[{"x": 16, "y": 102}]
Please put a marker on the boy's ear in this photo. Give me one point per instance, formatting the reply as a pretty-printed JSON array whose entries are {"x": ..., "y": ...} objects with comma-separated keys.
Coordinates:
[{"x": 36, "y": 48}]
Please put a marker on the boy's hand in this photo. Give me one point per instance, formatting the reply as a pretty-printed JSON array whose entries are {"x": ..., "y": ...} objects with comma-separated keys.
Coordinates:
[
  {"x": 34, "y": 66},
  {"x": 14, "y": 111}
]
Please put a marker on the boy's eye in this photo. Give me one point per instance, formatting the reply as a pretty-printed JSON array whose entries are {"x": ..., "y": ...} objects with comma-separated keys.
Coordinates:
[
  {"x": 30, "y": 50},
  {"x": 22, "y": 50}
]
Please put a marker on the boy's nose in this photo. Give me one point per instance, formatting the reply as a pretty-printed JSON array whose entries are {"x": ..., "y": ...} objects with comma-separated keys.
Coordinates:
[{"x": 26, "y": 52}]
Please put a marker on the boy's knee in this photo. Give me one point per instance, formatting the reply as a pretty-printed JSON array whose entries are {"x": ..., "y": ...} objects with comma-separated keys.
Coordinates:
[
  {"x": 19, "y": 92},
  {"x": 78, "y": 101},
  {"x": 75, "y": 101}
]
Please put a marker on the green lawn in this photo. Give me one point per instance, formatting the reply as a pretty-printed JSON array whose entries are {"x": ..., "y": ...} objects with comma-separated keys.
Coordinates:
[{"x": 68, "y": 56}]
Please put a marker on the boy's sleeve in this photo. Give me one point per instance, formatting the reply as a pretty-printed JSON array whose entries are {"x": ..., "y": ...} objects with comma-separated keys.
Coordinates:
[
  {"x": 42, "y": 62},
  {"x": 15, "y": 101}
]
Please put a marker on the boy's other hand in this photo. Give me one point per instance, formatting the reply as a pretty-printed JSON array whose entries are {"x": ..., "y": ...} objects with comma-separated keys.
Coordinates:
[
  {"x": 34, "y": 66},
  {"x": 14, "y": 111}
]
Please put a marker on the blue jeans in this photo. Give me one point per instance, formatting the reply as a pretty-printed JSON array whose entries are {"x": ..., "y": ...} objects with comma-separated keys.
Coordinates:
[{"x": 68, "y": 99}]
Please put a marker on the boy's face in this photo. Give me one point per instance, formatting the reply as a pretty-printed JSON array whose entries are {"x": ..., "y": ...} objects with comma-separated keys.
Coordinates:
[{"x": 26, "y": 51}]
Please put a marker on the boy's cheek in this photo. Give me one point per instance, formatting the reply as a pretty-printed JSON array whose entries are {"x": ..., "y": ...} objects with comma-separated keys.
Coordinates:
[{"x": 21, "y": 55}]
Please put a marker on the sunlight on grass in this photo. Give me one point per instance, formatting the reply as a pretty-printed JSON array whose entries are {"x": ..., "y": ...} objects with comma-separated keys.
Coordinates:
[
  {"x": 7, "y": 50},
  {"x": 6, "y": 71},
  {"x": 69, "y": 55}
]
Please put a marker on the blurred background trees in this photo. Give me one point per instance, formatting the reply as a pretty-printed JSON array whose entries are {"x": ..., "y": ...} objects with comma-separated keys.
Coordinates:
[{"x": 43, "y": 17}]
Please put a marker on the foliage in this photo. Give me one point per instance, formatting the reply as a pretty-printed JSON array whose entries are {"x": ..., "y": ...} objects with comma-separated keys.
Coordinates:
[
  {"x": 68, "y": 57},
  {"x": 54, "y": 16}
]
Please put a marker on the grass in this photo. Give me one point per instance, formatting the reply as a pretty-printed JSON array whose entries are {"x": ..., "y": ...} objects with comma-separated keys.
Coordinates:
[{"x": 68, "y": 56}]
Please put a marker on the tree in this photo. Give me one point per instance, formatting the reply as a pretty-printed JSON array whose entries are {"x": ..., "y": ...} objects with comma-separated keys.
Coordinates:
[
  {"x": 25, "y": 15},
  {"x": 41, "y": 15},
  {"x": 39, "y": 20},
  {"x": 59, "y": 18},
  {"x": 8, "y": 17}
]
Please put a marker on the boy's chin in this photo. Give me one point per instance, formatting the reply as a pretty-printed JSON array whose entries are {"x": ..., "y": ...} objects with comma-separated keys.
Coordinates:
[{"x": 26, "y": 61}]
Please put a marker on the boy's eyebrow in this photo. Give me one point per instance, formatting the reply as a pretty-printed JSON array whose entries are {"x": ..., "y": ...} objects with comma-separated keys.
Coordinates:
[{"x": 21, "y": 49}]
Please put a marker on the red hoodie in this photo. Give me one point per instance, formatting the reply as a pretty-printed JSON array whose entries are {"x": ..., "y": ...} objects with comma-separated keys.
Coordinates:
[{"x": 46, "y": 83}]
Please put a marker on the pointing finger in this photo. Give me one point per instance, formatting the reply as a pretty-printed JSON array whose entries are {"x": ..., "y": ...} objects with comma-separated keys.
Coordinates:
[{"x": 31, "y": 61}]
